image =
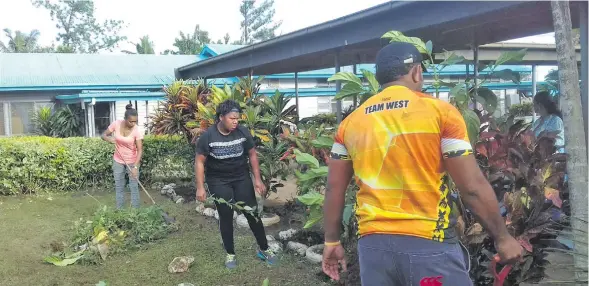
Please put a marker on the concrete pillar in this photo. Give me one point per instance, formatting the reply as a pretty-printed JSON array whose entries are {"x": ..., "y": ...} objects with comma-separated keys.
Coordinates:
[
  {"x": 112, "y": 115},
  {"x": 92, "y": 120},
  {"x": 355, "y": 104},
  {"x": 338, "y": 87},
  {"x": 297, "y": 95},
  {"x": 86, "y": 118},
  {"x": 475, "y": 51},
  {"x": 534, "y": 88},
  {"x": 7, "y": 125}
]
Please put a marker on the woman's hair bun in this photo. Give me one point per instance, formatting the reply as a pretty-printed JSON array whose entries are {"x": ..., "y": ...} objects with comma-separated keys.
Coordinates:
[{"x": 129, "y": 106}]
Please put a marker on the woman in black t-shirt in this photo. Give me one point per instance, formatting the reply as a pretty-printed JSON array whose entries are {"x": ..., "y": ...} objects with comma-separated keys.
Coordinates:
[{"x": 222, "y": 154}]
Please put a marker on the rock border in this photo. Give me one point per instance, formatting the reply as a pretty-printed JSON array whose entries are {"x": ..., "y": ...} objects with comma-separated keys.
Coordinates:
[{"x": 312, "y": 256}]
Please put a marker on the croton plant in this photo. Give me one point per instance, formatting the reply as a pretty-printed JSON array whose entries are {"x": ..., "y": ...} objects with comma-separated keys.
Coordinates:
[{"x": 527, "y": 176}]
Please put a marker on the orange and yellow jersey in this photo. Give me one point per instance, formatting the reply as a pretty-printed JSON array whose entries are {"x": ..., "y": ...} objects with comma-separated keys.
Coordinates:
[{"x": 397, "y": 141}]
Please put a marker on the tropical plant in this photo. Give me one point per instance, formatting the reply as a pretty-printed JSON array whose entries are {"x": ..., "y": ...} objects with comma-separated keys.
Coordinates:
[
  {"x": 462, "y": 94},
  {"x": 145, "y": 46},
  {"x": 21, "y": 42},
  {"x": 67, "y": 122},
  {"x": 111, "y": 230},
  {"x": 313, "y": 176},
  {"x": 353, "y": 85},
  {"x": 177, "y": 114},
  {"x": 312, "y": 182},
  {"x": 43, "y": 121},
  {"x": 328, "y": 119},
  {"x": 467, "y": 93},
  {"x": 253, "y": 119},
  {"x": 314, "y": 139},
  {"x": 276, "y": 107},
  {"x": 528, "y": 179},
  {"x": 522, "y": 109},
  {"x": 249, "y": 87},
  {"x": 273, "y": 165},
  {"x": 190, "y": 44},
  {"x": 207, "y": 107},
  {"x": 190, "y": 110}
]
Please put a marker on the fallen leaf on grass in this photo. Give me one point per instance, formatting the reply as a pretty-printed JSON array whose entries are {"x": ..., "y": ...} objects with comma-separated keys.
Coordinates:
[{"x": 68, "y": 260}]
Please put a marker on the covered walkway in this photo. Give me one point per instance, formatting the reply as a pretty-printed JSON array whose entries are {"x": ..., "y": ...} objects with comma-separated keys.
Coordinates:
[{"x": 355, "y": 38}]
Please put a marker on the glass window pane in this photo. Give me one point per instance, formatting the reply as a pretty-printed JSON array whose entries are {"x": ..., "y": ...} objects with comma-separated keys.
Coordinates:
[
  {"x": 21, "y": 114},
  {"x": 40, "y": 105}
]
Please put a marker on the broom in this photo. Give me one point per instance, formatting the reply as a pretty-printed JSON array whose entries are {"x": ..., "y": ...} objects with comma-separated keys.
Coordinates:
[{"x": 165, "y": 215}]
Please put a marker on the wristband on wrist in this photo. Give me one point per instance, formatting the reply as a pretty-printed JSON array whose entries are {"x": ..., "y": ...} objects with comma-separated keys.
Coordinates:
[{"x": 334, "y": 243}]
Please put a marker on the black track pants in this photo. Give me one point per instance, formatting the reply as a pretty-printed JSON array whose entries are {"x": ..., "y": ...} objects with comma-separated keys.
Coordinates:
[{"x": 237, "y": 190}]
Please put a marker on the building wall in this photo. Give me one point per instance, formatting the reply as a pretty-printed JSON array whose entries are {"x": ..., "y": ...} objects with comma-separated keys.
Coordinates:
[
  {"x": 288, "y": 83},
  {"x": 145, "y": 109}
]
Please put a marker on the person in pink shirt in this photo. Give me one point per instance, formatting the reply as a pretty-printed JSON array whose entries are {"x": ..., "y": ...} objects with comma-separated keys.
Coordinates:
[{"x": 127, "y": 137}]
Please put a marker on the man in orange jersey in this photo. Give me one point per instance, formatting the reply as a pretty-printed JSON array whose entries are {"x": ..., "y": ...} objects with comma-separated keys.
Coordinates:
[{"x": 401, "y": 145}]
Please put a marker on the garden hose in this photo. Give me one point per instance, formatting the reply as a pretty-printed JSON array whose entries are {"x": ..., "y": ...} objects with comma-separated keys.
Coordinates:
[{"x": 499, "y": 278}]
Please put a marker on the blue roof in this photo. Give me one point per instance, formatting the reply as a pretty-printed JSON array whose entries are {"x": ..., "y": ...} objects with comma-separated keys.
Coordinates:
[
  {"x": 213, "y": 50},
  {"x": 55, "y": 71}
]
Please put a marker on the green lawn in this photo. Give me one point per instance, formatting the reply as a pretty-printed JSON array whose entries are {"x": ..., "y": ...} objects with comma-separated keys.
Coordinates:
[{"x": 29, "y": 224}]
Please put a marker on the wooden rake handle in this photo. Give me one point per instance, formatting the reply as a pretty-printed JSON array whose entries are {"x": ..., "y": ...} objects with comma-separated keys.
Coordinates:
[{"x": 130, "y": 171}]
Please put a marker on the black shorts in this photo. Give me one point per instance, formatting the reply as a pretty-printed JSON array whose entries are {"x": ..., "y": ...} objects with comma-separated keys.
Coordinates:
[{"x": 233, "y": 191}]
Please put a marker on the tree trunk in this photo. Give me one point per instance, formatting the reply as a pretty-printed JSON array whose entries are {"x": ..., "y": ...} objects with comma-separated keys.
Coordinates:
[{"x": 570, "y": 104}]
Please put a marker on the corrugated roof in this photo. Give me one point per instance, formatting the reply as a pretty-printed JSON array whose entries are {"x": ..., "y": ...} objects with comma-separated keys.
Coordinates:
[{"x": 70, "y": 70}]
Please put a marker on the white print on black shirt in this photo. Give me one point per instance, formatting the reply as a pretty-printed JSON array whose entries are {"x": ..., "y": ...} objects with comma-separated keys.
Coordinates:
[{"x": 225, "y": 150}]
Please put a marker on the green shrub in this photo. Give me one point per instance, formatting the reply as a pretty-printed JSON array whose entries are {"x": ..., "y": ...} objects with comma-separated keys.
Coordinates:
[
  {"x": 522, "y": 109},
  {"x": 33, "y": 164},
  {"x": 140, "y": 225},
  {"x": 110, "y": 231}
]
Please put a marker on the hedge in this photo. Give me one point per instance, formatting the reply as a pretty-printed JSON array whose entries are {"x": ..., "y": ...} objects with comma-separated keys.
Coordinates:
[{"x": 33, "y": 164}]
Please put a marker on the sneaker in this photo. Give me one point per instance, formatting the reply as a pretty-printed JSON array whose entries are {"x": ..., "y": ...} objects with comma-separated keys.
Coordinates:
[
  {"x": 230, "y": 261},
  {"x": 269, "y": 256}
]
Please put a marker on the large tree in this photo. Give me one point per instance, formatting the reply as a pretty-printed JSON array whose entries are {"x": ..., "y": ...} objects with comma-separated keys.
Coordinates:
[
  {"x": 225, "y": 39},
  {"x": 574, "y": 131},
  {"x": 79, "y": 31},
  {"x": 19, "y": 42},
  {"x": 145, "y": 46},
  {"x": 190, "y": 44},
  {"x": 258, "y": 21}
]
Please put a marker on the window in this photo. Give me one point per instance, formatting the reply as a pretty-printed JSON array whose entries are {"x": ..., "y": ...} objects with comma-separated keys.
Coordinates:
[
  {"x": 322, "y": 82},
  {"x": 39, "y": 105},
  {"x": 273, "y": 82},
  {"x": 101, "y": 116},
  {"x": 329, "y": 104},
  {"x": 323, "y": 105},
  {"x": 21, "y": 114},
  {"x": 346, "y": 103}
]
